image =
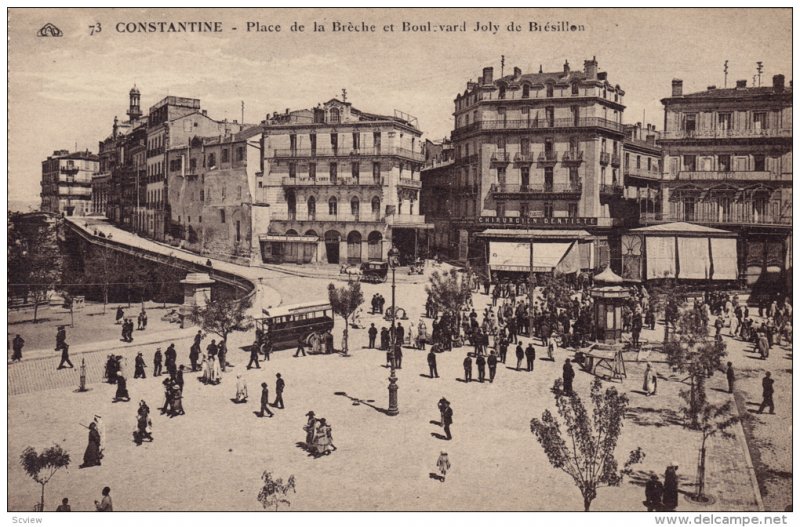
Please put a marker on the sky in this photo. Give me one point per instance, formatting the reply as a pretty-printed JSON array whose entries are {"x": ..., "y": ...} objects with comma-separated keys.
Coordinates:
[{"x": 66, "y": 91}]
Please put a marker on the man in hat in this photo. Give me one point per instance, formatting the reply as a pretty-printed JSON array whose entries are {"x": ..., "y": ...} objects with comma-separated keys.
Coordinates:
[
  {"x": 467, "y": 368},
  {"x": 447, "y": 420},
  {"x": 432, "y": 363},
  {"x": 61, "y": 338},
  {"x": 265, "y": 401},
  {"x": 767, "y": 391},
  {"x": 253, "y": 357},
  {"x": 373, "y": 333},
  {"x": 480, "y": 362},
  {"x": 65, "y": 357},
  {"x": 157, "y": 363},
  {"x": 530, "y": 356},
  {"x": 309, "y": 428},
  {"x": 568, "y": 375},
  {"x": 492, "y": 363},
  {"x": 279, "y": 386}
]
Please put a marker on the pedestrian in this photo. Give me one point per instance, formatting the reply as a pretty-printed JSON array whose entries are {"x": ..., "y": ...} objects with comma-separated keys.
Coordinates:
[
  {"x": 216, "y": 372},
  {"x": 157, "y": 363},
  {"x": 467, "y": 368},
  {"x": 650, "y": 383},
  {"x": 139, "y": 321},
  {"x": 441, "y": 405},
  {"x": 310, "y": 428},
  {"x": 767, "y": 390},
  {"x": 139, "y": 367},
  {"x": 301, "y": 348},
  {"x": 101, "y": 429},
  {"x": 328, "y": 337},
  {"x": 530, "y": 356},
  {"x": 503, "y": 348},
  {"x": 400, "y": 334},
  {"x": 373, "y": 333},
  {"x": 222, "y": 353},
  {"x": 119, "y": 316},
  {"x": 434, "y": 373},
  {"x": 653, "y": 491},
  {"x": 729, "y": 373},
  {"x": 170, "y": 357},
  {"x": 176, "y": 397},
  {"x": 480, "y": 362},
  {"x": 92, "y": 455},
  {"x": 241, "y": 390},
  {"x": 520, "y": 355},
  {"x": 447, "y": 420},
  {"x": 254, "y": 357},
  {"x": 265, "y": 401},
  {"x": 144, "y": 319},
  {"x": 64, "y": 507},
  {"x": 17, "y": 345},
  {"x": 568, "y": 375},
  {"x": 179, "y": 376},
  {"x": 122, "y": 389},
  {"x": 492, "y": 363},
  {"x": 143, "y": 424},
  {"x": 422, "y": 334},
  {"x": 443, "y": 464},
  {"x": 279, "y": 387},
  {"x": 65, "y": 357},
  {"x": 670, "y": 495},
  {"x": 105, "y": 504}
]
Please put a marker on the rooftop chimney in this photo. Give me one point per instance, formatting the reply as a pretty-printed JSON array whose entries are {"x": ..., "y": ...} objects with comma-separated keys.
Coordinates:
[
  {"x": 778, "y": 82},
  {"x": 712, "y": 87},
  {"x": 602, "y": 76},
  {"x": 517, "y": 72},
  {"x": 741, "y": 84},
  {"x": 566, "y": 66},
  {"x": 488, "y": 75},
  {"x": 590, "y": 68},
  {"x": 677, "y": 87}
]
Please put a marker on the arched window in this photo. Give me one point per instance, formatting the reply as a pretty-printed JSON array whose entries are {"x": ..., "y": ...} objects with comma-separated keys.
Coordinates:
[
  {"x": 376, "y": 205},
  {"x": 334, "y": 115},
  {"x": 332, "y": 206},
  {"x": 354, "y": 206},
  {"x": 526, "y": 91},
  {"x": 312, "y": 208}
]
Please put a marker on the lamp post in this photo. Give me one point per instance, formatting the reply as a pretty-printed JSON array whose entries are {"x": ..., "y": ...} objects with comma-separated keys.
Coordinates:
[{"x": 393, "y": 410}]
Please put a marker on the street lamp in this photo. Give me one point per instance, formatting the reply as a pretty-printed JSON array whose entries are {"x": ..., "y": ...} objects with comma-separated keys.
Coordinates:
[{"x": 393, "y": 410}]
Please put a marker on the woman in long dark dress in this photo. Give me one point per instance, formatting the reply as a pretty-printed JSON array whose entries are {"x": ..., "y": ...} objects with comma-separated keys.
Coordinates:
[
  {"x": 670, "y": 496},
  {"x": 122, "y": 389},
  {"x": 92, "y": 455}
]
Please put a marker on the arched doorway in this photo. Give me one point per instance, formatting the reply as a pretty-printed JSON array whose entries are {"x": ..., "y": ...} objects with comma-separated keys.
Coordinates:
[
  {"x": 354, "y": 247},
  {"x": 332, "y": 239},
  {"x": 374, "y": 246}
]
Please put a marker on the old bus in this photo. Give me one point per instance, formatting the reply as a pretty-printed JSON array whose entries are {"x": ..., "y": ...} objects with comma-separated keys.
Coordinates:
[{"x": 285, "y": 325}]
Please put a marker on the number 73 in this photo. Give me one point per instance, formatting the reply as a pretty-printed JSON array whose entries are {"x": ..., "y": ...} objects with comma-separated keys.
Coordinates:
[{"x": 96, "y": 28}]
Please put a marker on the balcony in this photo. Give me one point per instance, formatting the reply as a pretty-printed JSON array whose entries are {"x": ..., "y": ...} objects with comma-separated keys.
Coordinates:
[
  {"x": 727, "y": 133},
  {"x": 611, "y": 190},
  {"x": 467, "y": 160},
  {"x": 500, "y": 158},
  {"x": 505, "y": 191},
  {"x": 717, "y": 219},
  {"x": 405, "y": 219},
  {"x": 409, "y": 183},
  {"x": 572, "y": 158},
  {"x": 539, "y": 124},
  {"x": 547, "y": 158},
  {"x": 605, "y": 158},
  {"x": 731, "y": 176},
  {"x": 523, "y": 157},
  {"x": 642, "y": 173},
  {"x": 315, "y": 153},
  {"x": 615, "y": 160},
  {"x": 287, "y": 181},
  {"x": 69, "y": 170},
  {"x": 341, "y": 218}
]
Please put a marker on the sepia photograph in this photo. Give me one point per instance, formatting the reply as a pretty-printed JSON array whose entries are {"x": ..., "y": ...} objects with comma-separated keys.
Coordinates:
[{"x": 393, "y": 260}]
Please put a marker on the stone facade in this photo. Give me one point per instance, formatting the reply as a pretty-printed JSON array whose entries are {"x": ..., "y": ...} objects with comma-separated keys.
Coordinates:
[{"x": 67, "y": 182}]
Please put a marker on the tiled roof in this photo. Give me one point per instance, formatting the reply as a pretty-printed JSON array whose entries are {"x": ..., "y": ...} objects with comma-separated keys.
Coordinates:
[{"x": 737, "y": 93}]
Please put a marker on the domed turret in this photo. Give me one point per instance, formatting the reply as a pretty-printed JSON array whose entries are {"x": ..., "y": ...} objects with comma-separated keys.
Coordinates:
[{"x": 134, "y": 110}]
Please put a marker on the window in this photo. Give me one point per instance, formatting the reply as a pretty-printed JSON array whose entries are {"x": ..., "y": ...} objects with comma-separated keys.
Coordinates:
[
  {"x": 354, "y": 170},
  {"x": 312, "y": 170},
  {"x": 575, "y": 88},
  {"x": 313, "y": 139},
  {"x": 222, "y": 216},
  {"x": 526, "y": 91},
  {"x": 312, "y": 208},
  {"x": 501, "y": 175},
  {"x": 649, "y": 164},
  {"x": 525, "y": 176},
  {"x": 574, "y": 178},
  {"x": 202, "y": 196},
  {"x": 238, "y": 231},
  {"x": 638, "y": 161},
  {"x": 548, "y": 179},
  {"x": 332, "y": 207},
  {"x": 759, "y": 121},
  {"x": 334, "y": 115},
  {"x": 376, "y": 205},
  {"x": 354, "y": 206},
  {"x": 335, "y": 142},
  {"x": 690, "y": 163},
  {"x": 356, "y": 141},
  {"x": 548, "y": 209},
  {"x": 212, "y": 161},
  {"x": 189, "y": 219},
  {"x": 549, "y": 90},
  {"x": 690, "y": 124},
  {"x": 224, "y": 155},
  {"x": 292, "y": 169},
  {"x": 576, "y": 115},
  {"x": 759, "y": 163},
  {"x": 724, "y": 162},
  {"x": 550, "y": 115},
  {"x": 725, "y": 120},
  {"x": 200, "y": 219},
  {"x": 175, "y": 164},
  {"x": 524, "y": 209},
  {"x": 239, "y": 153},
  {"x": 239, "y": 192},
  {"x": 572, "y": 210},
  {"x": 500, "y": 209},
  {"x": 376, "y": 172},
  {"x": 376, "y": 140},
  {"x": 333, "y": 169},
  {"x": 293, "y": 143}
]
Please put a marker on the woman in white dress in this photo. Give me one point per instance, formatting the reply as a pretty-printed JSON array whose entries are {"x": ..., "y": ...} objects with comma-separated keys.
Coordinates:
[
  {"x": 650, "y": 381},
  {"x": 216, "y": 371},
  {"x": 206, "y": 376},
  {"x": 241, "y": 389}
]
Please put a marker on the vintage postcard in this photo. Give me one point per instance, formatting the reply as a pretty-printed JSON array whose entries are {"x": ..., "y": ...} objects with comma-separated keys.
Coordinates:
[{"x": 400, "y": 260}]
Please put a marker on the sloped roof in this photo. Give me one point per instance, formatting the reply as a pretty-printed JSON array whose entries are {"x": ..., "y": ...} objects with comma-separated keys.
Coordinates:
[
  {"x": 680, "y": 227},
  {"x": 738, "y": 93}
]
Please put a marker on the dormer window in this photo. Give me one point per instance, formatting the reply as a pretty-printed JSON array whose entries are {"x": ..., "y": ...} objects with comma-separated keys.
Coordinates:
[
  {"x": 575, "y": 88},
  {"x": 526, "y": 91},
  {"x": 549, "y": 90},
  {"x": 334, "y": 115}
]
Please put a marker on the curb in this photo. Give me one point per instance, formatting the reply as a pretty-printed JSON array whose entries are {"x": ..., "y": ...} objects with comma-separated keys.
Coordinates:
[{"x": 742, "y": 439}]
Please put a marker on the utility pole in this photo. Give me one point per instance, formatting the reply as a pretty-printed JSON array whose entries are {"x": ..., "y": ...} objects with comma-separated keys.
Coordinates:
[
  {"x": 344, "y": 94},
  {"x": 760, "y": 70}
]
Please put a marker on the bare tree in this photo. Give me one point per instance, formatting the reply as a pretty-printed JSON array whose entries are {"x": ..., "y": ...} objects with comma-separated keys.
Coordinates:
[
  {"x": 42, "y": 467},
  {"x": 586, "y": 451},
  {"x": 713, "y": 419}
]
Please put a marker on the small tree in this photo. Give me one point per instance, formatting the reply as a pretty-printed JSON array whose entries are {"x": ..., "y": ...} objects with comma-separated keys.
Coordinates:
[
  {"x": 713, "y": 419},
  {"x": 668, "y": 297},
  {"x": 274, "y": 491},
  {"x": 42, "y": 467},
  {"x": 345, "y": 301},
  {"x": 169, "y": 276},
  {"x": 34, "y": 262},
  {"x": 589, "y": 457},
  {"x": 223, "y": 317},
  {"x": 691, "y": 350},
  {"x": 449, "y": 291}
]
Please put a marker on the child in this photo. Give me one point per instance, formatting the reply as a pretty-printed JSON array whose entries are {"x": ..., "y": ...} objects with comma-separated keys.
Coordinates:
[{"x": 443, "y": 464}]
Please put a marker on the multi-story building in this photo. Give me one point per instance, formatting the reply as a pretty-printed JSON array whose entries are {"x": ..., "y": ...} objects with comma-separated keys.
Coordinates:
[
  {"x": 641, "y": 168},
  {"x": 538, "y": 150},
  {"x": 212, "y": 186},
  {"x": 101, "y": 193},
  {"x": 728, "y": 164},
  {"x": 342, "y": 184},
  {"x": 436, "y": 200},
  {"x": 67, "y": 182},
  {"x": 171, "y": 123}
]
